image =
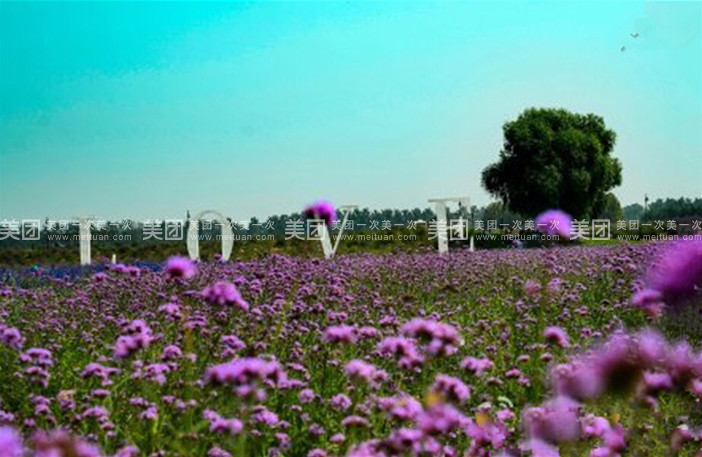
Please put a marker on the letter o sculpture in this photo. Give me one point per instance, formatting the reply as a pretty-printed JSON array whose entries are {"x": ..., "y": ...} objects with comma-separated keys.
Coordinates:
[{"x": 193, "y": 234}]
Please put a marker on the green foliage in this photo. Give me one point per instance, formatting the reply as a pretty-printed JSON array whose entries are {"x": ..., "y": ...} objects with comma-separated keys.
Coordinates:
[
  {"x": 674, "y": 209},
  {"x": 553, "y": 158},
  {"x": 633, "y": 212},
  {"x": 611, "y": 209},
  {"x": 497, "y": 211}
]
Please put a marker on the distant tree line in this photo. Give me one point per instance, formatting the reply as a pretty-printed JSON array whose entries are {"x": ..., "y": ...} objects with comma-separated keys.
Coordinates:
[
  {"x": 664, "y": 210},
  {"x": 137, "y": 232}
]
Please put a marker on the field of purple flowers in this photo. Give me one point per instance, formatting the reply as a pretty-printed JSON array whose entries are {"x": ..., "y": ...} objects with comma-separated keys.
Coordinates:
[{"x": 540, "y": 352}]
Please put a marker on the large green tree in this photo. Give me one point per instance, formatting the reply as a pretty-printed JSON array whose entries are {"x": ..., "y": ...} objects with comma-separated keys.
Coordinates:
[{"x": 553, "y": 158}]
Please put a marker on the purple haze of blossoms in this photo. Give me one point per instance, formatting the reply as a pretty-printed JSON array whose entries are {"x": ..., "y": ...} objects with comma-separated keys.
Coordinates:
[
  {"x": 321, "y": 209},
  {"x": 554, "y": 222}
]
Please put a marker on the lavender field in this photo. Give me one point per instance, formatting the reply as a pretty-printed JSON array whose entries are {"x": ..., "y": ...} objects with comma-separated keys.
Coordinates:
[{"x": 493, "y": 353}]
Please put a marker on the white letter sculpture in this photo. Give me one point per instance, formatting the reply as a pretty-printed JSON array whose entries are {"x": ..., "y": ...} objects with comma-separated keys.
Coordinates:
[
  {"x": 193, "y": 235},
  {"x": 442, "y": 225},
  {"x": 325, "y": 236},
  {"x": 84, "y": 239}
]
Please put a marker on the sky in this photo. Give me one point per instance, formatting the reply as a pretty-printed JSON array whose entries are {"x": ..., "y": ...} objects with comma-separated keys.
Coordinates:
[{"x": 146, "y": 110}]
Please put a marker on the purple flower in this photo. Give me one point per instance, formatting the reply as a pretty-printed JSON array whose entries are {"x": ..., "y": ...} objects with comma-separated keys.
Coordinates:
[
  {"x": 656, "y": 382},
  {"x": 59, "y": 442},
  {"x": 321, "y": 209},
  {"x": 150, "y": 413},
  {"x": 443, "y": 338},
  {"x": 340, "y": 334},
  {"x": 531, "y": 287},
  {"x": 594, "y": 426},
  {"x": 477, "y": 366},
  {"x": 171, "y": 352},
  {"x": 554, "y": 423},
  {"x": 306, "y": 395},
  {"x": 557, "y": 336},
  {"x": 440, "y": 419},
  {"x": 540, "y": 448},
  {"x": 402, "y": 407},
  {"x": 650, "y": 301},
  {"x": 619, "y": 363},
  {"x": 11, "y": 337},
  {"x": 243, "y": 372},
  {"x": 405, "y": 439},
  {"x": 489, "y": 434},
  {"x": 554, "y": 222},
  {"x": 359, "y": 369},
  {"x": 340, "y": 402},
  {"x": 262, "y": 415},
  {"x": 180, "y": 268},
  {"x": 452, "y": 389},
  {"x": 99, "y": 371},
  {"x": 10, "y": 443},
  {"x": 138, "y": 336},
  {"x": 615, "y": 439},
  {"x": 220, "y": 425},
  {"x": 677, "y": 274},
  {"x": 355, "y": 421},
  {"x": 224, "y": 293},
  {"x": 217, "y": 451},
  {"x": 402, "y": 348}
]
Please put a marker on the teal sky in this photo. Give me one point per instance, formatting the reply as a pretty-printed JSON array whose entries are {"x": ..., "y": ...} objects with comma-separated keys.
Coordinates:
[{"x": 144, "y": 110}]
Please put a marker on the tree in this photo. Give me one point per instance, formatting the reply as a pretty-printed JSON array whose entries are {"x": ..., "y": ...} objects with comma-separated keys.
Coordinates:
[
  {"x": 497, "y": 211},
  {"x": 633, "y": 212},
  {"x": 552, "y": 158},
  {"x": 611, "y": 209},
  {"x": 671, "y": 208}
]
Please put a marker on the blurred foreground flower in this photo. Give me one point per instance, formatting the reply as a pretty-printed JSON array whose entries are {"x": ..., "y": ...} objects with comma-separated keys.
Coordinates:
[
  {"x": 321, "y": 209},
  {"x": 180, "y": 268},
  {"x": 677, "y": 274},
  {"x": 554, "y": 222}
]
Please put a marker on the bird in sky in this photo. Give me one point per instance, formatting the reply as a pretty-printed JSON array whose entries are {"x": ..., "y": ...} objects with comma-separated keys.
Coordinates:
[
  {"x": 623, "y": 48},
  {"x": 635, "y": 35}
]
